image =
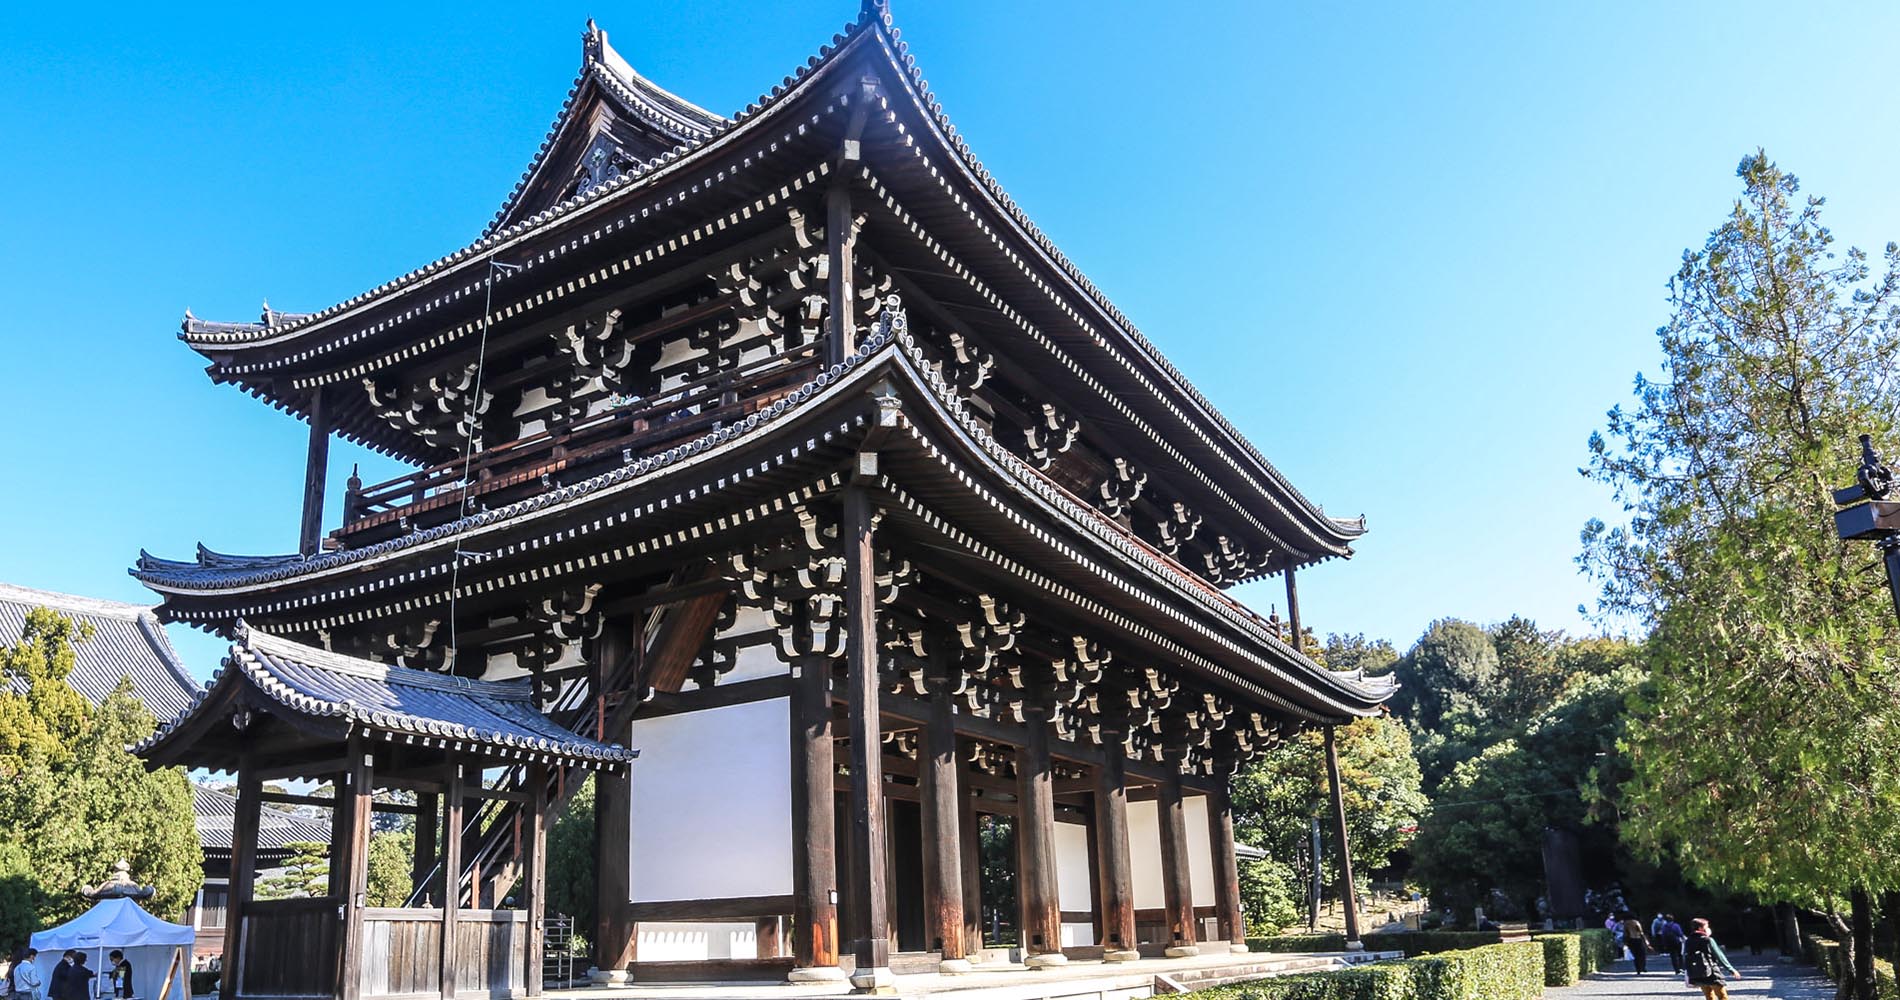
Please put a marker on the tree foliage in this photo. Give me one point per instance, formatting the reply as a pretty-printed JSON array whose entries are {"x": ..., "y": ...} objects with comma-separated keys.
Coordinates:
[
  {"x": 305, "y": 873},
  {"x": 73, "y": 801},
  {"x": 571, "y": 863},
  {"x": 1764, "y": 754}
]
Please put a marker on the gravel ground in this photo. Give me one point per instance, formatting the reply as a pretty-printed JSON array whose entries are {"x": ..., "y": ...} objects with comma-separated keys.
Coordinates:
[{"x": 1763, "y": 979}]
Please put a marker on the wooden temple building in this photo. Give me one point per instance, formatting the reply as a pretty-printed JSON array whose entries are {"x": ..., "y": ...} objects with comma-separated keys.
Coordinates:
[{"x": 785, "y": 450}]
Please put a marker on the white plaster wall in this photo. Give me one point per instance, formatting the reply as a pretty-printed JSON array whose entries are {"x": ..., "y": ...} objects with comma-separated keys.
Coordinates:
[
  {"x": 1078, "y": 935},
  {"x": 1200, "y": 849},
  {"x": 712, "y": 804},
  {"x": 680, "y": 942},
  {"x": 758, "y": 660},
  {"x": 1144, "y": 854},
  {"x": 1072, "y": 867}
]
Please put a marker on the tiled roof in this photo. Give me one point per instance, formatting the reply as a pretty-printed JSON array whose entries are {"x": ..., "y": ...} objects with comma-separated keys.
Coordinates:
[
  {"x": 417, "y": 706},
  {"x": 276, "y": 829},
  {"x": 127, "y": 641}
]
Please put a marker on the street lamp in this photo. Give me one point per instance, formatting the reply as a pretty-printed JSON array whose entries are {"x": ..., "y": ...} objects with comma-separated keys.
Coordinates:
[{"x": 1872, "y": 517}]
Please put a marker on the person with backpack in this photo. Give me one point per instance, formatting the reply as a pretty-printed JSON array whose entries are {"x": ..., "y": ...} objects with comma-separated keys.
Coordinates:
[
  {"x": 1703, "y": 962},
  {"x": 1669, "y": 939}
]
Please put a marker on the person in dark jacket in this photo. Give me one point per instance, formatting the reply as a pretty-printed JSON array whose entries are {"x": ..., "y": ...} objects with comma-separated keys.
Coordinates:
[
  {"x": 1705, "y": 962},
  {"x": 1669, "y": 939},
  {"x": 56, "y": 990},
  {"x": 78, "y": 982},
  {"x": 121, "y": 972}
]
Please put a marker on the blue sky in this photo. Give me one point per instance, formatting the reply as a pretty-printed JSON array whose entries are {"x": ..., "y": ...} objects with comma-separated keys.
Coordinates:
[{"x": 1413, "y": 251}]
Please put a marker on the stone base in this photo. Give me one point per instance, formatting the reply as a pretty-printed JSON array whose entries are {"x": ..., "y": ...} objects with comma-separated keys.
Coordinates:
[
  {"x": 1130, "y": 955},
  {"x": 955, "y": 966},
  {"x": 1183, "y": 951},
  {"x": 816, "y": 974},
  {"x": 1238, "y": 949},
  {"x": 609, "y": 977},
  {"x": 877, "y": 979},
  {"x": 1355, "y": 946},
  {"x": 1046, "y": 960}
]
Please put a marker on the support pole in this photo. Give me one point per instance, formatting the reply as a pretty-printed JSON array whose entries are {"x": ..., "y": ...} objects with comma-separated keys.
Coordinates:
[
  {"x": 616, "y": 935},
  {"x": 1353, "y": 943},
  {"x": 316, "y": 469},
  {"x": 535, "y": 877},
  {"x": 841, "y": 334},
  {"x": 453, "y": 798},
  {"x": 765, "y": 932},
  {"x": 356, "y": 872},
  {"x": 1117, "y": 878},
  {"x": 243, "y": 873},
  {"x": 1177, "y": 882},
  {"x": 940, "y": 796},
  {"x": 814, "y": 830},
  {"x": 1293, "y": 611},
  {"x": 1036, "y": 838},
  {"x": 868, "y": 898},
  {"x": 1227, "y": 913},
  {"x": 428, "y": 814},
  {"x": 971, "y": 835}
]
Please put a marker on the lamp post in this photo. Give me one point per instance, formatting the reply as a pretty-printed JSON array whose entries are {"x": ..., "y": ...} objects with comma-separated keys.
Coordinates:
[{"x": 1867, "y": 514}]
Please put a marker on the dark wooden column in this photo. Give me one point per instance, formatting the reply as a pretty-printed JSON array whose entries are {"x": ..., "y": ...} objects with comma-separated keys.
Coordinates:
[
  {"x": 1177, "y": 881},
  {"x": 841, "y": 334},
  {"x": 765, "y": 932},
  {"x": 250, "y": 800},
  {"x": 316, "y": 470},
  {"x": 1227, "y": 915},
  {"x": 1346, "y": 896},
  {"x": 1036, "y": 888},
  {"x": 1293, "y": 609},
  {"x": 534, "y": 875},
  {"x": 970, "y": 837},
  {"x": 356, "y": 871},
  {"x": 868, "y": 898},
  {"x": 814, "y": 829},
  {"x": 341, "y": 805},
  {"x": 616, "y": 935},
  {"x": 453, "y": 798},
  {"x": 428, "y": 815},
  {"x": 1117, "y": 900},
  {"x": 940, "y": 798}
]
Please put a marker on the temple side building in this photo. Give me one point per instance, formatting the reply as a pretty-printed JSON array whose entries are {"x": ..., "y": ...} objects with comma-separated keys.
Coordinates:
[{"x": 784, "y": 449}]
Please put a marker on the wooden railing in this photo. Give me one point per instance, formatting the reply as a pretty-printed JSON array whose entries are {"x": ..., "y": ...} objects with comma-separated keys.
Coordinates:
[
  {"x": 530, "y": 465},
  {"x": 290, "y": 948}
]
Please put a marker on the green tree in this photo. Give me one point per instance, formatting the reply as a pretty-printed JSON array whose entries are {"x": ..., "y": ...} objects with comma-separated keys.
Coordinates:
[
  {"x": 1764, "y": 754},
  {"x": 1356, "y": 652},
  {"x": 392, "y": 857},
  {"x": 571, "y": 860},
  {"x": 306, "y": 873}
]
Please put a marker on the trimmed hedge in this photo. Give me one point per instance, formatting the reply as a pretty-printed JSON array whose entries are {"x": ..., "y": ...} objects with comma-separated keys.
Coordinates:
[
  {"x": 1513, "y": 971},
  {"x": 1599, "y": 949},
  {"x": 1409, "y": 942},
  {"x": 1563, "y": 958},
  {"x": 1827, "y": 956}
]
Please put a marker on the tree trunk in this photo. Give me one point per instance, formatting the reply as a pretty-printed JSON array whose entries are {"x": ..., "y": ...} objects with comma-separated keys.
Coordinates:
[
  {"x": 1844, "y": 987},
  {"x": 1890, "y": 909},
  {"x": 1788, "y": 931},
  {"x": 1864, "y": 987}
]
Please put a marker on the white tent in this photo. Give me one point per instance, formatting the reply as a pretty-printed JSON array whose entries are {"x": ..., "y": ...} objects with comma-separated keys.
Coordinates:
[{"x": 147, "y": 941}]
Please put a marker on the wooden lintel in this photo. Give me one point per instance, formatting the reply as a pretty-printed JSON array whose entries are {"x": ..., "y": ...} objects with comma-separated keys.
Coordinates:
[
  {"x": 734, "y": 908},
  {"x": 717, "y": 696},
  {"x": 307, "y": 769}
]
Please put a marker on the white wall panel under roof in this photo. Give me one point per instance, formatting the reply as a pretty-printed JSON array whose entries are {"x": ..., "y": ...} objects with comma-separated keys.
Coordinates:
[
  {"x": 1144, "y": 855},
  {"x": 711, "y": 804},
  {"x": 1200, "y": 849},
  {"x": 1072, "y": 882}
]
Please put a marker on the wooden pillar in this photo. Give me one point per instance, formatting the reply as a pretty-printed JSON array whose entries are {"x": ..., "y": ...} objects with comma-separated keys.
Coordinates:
[
  {"x": 244, "y": 824},
  {"x": 534, "y": 875},
  {"x": 1227, "y": 914},
  {"x": 814, "y": 828},
  {"x": 428, "y": 814},
  {"x": 1177, "y": 881},
  {"x": 970, "y": 836},
  {"x": 1346, "y": 897},
  {"x": 356, "y": 874},
  {"x": 340, "y": 824},
  {"x": 316, "y": 470},
  {"x": 453, "y": 798},
  {"x": 841, "y": 335},
  {"x": 940, "y": 798},
  {"x": 1036, "y": 889},
  {"x": 616, "y": 937},
  {"x": 1293, "y": 611},
  {"x": 1117, "y": 901},
  {"x": 765, "y": 931},
  {"x": 868, "y": 898}
]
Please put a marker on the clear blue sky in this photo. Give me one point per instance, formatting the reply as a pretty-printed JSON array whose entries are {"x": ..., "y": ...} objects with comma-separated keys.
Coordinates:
[{"x": 1414, "y": 251}]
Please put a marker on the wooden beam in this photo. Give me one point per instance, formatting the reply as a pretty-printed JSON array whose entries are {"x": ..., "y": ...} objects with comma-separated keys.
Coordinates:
[
  {"x": 1347, "y": 900},
  {"x": 1176, "y": 874},
  {"x": 244, "y": 823},
  {"x": 814, "y": 833},
  {"x": 1293, "y": 609},
  {"x": 1036, "y": 887},
  {"x": 717, "y": 696},
  {"x": 305, "y": 769},
  {"x": 428, "y": 815},
  {"x": 356, "y": 872},
  {"x": 316, "y": 470},
  {"x": 939, "y": 796},
  {"x": 869, "y": 900},
  {"x": 535, "y": 876},
  {"x": 1220, "y": 816},
  {"x": 616, "y": 937},
  {"x": 1117, "y": 901},
  {"x": 452, "y": 803},
  {"x": 765, "y": 932},
  {"x": 730, "y": 908},
  {"x": 840, "y": 241},
  {"x": 681, "y": 637}
]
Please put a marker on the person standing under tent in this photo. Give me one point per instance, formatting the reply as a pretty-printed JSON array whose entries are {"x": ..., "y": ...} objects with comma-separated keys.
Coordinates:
[
  {"x": 23, "y": 977},
  {"x": 78, "y": 982},
  {"x": 121, "y": 973}
]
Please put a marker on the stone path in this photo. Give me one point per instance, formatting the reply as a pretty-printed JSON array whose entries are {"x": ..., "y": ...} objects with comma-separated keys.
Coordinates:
[{"x": 1764, "y": 979}]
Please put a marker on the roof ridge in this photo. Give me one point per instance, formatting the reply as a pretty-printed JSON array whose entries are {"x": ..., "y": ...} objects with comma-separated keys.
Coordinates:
[{"x": 56, "y": 601}]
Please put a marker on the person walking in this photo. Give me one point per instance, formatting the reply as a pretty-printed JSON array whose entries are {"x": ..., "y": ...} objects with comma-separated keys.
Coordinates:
[
  {"x": 23, "y": 977},
  {"x": 1669, "y": 939},
  {"x": 1703, "y": 962},
  {"x": 1637, "y": 941}
]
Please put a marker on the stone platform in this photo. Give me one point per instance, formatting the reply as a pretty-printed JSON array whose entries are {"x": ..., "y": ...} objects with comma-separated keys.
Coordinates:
[{"x": 1078, "y": 980}]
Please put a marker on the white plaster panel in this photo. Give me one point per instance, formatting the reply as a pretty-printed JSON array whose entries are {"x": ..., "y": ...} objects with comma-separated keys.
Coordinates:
[
  {"x": 1072, "y": 868},
  {"x": 1200, "y": 849},
  {"x": 1078, "y": 935},
  {"x": 712, "y": 804},
  {"x": 695, "y": 942},
  {"x": 754, "y": 662},
  {"x": 1144, "y": 854}
]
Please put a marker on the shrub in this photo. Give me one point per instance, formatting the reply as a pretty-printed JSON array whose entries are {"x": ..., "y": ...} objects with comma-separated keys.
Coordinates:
[
  {"x": 1412, "y": 943},
  {"x": 1563, "y": 957},
  {"x": 1299, "y": 942},
  {"x": 1599, "y": 950},
  {"x": 1513, "y": 971}
]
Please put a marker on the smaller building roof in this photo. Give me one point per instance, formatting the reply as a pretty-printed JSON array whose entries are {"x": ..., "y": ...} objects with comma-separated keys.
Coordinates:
[
  {"x": 127, "y": 642},
  {"x": 276, "y": 829},
  {"x": 328, "y": 696}
]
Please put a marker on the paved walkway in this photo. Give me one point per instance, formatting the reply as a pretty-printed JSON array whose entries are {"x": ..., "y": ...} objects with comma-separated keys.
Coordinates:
[{"x": 1763, "y": 979}]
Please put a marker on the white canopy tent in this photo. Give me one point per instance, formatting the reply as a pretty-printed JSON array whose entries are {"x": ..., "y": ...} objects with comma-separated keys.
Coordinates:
[{"x": 148, "y": 942}]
